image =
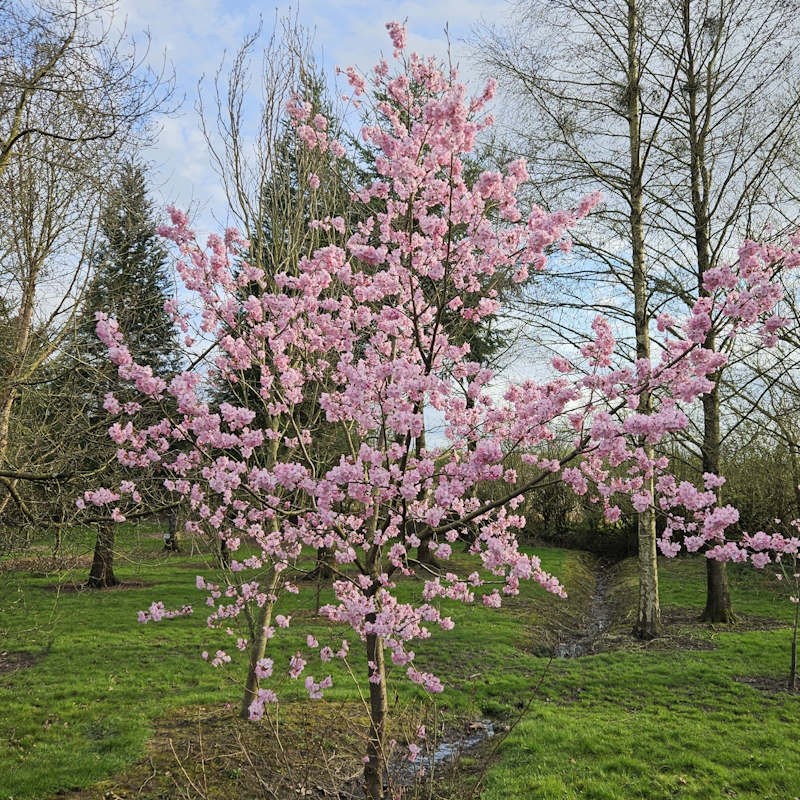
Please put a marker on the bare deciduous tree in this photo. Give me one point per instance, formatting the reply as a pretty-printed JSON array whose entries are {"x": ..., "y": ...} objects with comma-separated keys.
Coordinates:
[
  {"x": 74, "y": 99},
  {"x": 683, "y": 112},
  {"x": 582, "y": 72}
]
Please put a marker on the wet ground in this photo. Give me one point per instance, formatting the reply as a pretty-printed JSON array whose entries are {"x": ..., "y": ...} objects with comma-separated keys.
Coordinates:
[{"x": 599, "y": 616}]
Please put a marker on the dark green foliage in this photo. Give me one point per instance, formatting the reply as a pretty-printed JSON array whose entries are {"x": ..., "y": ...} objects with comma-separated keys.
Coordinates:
[{"x": 130, "y": 283}]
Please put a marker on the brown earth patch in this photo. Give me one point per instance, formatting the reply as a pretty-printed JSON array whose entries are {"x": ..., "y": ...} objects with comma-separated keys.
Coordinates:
[
  {"x": 11, "y": 662},
  {"x": 768, "y": 684},
  {"x": 296, "y": 752}
]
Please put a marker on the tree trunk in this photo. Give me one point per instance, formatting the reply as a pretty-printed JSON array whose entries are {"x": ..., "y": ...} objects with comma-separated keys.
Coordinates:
[
  {"x": 718, "y": 602},
  {"x": 224, "y": 554},
  {"x": 258, "y": 648},
  {"x": 322, "y": 571},
  {"x": 424, "y": 555},
  {"x": 101, "y": 575},
  {"x": 18, "y": 358},
  {"x": 718, "y": 597},
  {"x": 793, "y": 666},
  {"x": 375, "y": 766},
  {"x": 648, "y": 618},
  {"x": 171, "y": 543}
]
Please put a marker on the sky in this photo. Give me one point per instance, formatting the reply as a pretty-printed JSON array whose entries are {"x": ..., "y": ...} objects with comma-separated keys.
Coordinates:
[{"x": 194, "y": 36}]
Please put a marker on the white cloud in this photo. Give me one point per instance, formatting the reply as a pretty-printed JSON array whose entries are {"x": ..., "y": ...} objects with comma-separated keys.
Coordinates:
[{"x": 194, "y": 36}]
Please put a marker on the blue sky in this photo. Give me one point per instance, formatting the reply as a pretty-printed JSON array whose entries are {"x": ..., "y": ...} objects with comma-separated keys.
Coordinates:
[{"x": 194, "y": 36}]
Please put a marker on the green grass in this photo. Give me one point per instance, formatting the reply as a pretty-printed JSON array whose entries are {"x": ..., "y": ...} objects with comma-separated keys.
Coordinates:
[
  {"x": 86, "y": 706},
  {"x": 652, "y": 722},
  {"x": 664, "y": 723}
]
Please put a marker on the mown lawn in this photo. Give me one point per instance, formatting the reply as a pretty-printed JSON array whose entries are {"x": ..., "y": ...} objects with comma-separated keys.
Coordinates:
[
  {"x": 670, "y": 719},
  {"x": 673, "y": 719}
]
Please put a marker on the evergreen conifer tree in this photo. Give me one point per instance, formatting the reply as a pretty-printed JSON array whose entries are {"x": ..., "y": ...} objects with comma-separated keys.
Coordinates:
[{"x": 130, "y": 283}]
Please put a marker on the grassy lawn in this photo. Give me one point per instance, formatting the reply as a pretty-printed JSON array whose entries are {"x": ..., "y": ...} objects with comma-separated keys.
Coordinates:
[
  {"x": 100, "y": 701},
  {"x": 672, "y": 719}
]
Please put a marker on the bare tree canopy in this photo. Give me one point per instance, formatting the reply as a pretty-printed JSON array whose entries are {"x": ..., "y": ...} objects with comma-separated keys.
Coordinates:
[
  {"x": 684, "y": 113},
  {"x": 75, "y": 102}
]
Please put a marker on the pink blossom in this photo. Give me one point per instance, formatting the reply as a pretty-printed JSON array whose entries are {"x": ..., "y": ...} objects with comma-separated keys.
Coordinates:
[
  {"x": 296, "y": 666},
  {"x": 397, "y": 33},
  {"x": 348, "y": 343}
]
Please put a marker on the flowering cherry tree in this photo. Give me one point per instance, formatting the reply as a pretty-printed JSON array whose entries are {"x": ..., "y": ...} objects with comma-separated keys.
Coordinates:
[
  {"x": 779, "y": 551},
  {"x": 357, "y": 331}
]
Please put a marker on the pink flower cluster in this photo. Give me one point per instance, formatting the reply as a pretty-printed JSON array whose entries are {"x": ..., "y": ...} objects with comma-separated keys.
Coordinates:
[{"x": 157, "y": 612}]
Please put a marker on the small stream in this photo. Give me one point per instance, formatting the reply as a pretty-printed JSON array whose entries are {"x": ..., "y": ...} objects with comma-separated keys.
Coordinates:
[
  {"x": 447, "y": 750},
  {"x": 584, "y": 641}
]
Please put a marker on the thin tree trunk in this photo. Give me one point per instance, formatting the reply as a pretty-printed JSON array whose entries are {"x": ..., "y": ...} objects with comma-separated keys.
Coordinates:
[
  {"x": 718, "y": 601},
  {"x": 718, "y": 607},
  {"x": 793, "y": 666},
  {"x": 258, "y": 648},
  {"x": 648, "y": 618},
  {"x": 101, "y": 575},
  {"x": 18, "y": 357},
  {"x": 322, "y": 571},
  {"x": 171, "y": 542},
  {"x": 375, "y": 766},
  {"x": 424, "y": 555},
  {"x": 224, "y": 554}
]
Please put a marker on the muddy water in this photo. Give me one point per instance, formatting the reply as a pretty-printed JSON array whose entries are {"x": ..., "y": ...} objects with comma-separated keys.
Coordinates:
[
  {"x": 585, "y": 641},
  {"x": 447, "y": 750}
]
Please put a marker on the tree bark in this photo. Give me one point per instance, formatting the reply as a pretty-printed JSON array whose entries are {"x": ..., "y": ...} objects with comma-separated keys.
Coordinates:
[
  {"x": 718, "y": 596},
  {"x": 101, "y": 575},
  {"x": 648, "y": 618},
  {"x": 424, "y": 555},
  {"x": 793, "y": 665},
  {"x": 258, "y": 648},
  {"x": 17, "y": 361},
  {"x": 171, "y": 542},
  {"x": 718, "y": 602},
  {"x": 375, "y": 766}
]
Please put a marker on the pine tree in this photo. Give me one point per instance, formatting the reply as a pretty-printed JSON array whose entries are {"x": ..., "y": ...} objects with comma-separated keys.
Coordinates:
[
  {"x": 130, "y": 281},
  {"x": 130, "y": 284}
]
